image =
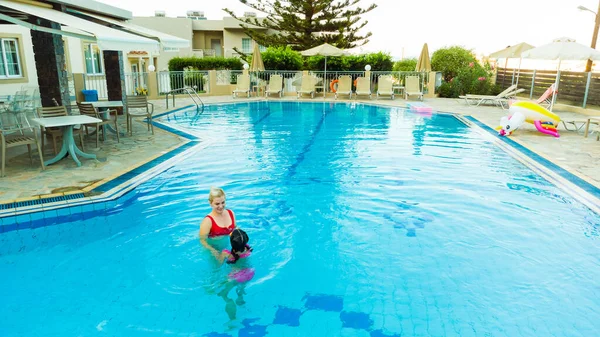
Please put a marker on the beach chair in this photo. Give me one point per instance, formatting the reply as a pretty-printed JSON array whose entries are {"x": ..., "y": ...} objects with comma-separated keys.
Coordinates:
[
  {"x": 384, "y": 86},
  {"x": 307, "y": 86},
  {"x": 479, "y": 99},
  {"x": 546, "y": 98},
  {"x": 363, "y": 87},
  {"x": 275, "y": 86},
  {"x": 344, "y": 86},
  {"x": 243, "y": 85},
  {"x": 413, "y": 87}
]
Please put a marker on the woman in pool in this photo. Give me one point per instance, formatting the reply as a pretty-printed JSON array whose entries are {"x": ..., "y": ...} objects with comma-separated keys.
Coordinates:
[{"x": 220, "y": 222}]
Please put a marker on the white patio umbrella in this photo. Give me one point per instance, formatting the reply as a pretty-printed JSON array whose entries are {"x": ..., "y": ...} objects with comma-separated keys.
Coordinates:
[
  {"x": 560, "y": 49},
  {"x": 324, "y": 50},
  {"x": 513, "y": 51}
]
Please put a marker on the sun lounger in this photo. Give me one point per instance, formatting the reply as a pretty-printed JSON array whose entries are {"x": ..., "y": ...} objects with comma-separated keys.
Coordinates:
[
  {"x": 591, "y": 120},
  {"x": 344, "y": 86},
  {"x": 546, "y": 98},
  {"x": 363, "y": 87},
  {"x": 479, "y": 99},
  {"x": 413, "y": 87},
  {"x": 384, "y": 86},
  {"x": 577, "y": 124},
  {"x": 275, "y": 86},
  {"x": 243, "y": 85},
  {"x": 307, "y": 86}
]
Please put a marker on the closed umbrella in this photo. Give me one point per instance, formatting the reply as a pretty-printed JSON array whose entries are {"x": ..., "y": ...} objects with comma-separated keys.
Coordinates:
[
  {"x": 257, "y": 62},
  {"x": 324, "y": 50},
  {"x": 562, "y": 49},
  {"x": 424, "y": 63},
  {"x": 512, "y": 52}
]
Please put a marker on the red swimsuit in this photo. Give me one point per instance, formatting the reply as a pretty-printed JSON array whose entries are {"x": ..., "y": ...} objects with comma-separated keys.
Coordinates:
[{"x": 215, "y": 230}]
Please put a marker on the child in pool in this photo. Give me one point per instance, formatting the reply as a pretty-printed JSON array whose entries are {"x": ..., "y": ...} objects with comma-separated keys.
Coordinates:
[{"x": 239, "y": 246}]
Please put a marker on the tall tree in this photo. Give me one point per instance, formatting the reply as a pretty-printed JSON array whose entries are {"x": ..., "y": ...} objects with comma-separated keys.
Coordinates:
[{"x": 304, "y": 24}]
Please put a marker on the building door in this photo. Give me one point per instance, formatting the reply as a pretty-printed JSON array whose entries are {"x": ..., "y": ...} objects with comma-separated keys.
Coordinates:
[{"x": 216, "y": 45}]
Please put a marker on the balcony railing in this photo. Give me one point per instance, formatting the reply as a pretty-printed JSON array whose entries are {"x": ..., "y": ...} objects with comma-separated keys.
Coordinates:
[{"x": 204, "y": 52}]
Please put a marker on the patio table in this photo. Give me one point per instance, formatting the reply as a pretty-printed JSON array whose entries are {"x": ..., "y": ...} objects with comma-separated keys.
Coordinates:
[{"x": 66, "y": 123}]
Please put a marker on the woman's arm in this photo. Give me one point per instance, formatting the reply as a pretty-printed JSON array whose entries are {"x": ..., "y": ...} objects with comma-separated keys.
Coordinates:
[{"x": 204, "y": 231}]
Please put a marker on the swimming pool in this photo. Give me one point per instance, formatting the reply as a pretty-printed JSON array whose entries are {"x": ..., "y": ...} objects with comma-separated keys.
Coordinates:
[{"x": 365, "y": 221}]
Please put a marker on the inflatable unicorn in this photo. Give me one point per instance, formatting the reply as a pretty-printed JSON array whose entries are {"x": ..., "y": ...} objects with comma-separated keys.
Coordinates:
[{"x": 519, "y": 112}]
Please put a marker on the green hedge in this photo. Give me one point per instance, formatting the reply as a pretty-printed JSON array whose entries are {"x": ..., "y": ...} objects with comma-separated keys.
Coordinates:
[
  {"x": 378, "y": 61},
  {"x": 205, "y": 63},
  {"x": 284, "y": 58}
]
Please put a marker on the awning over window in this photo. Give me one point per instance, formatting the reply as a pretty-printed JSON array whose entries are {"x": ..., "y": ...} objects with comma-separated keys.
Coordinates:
[
  {"x": 106, "y": 38},
  {"x": 167, "y": 41}
]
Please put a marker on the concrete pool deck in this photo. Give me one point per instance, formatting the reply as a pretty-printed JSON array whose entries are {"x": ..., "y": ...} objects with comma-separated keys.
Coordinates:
[{"x": 25, "y": 181}]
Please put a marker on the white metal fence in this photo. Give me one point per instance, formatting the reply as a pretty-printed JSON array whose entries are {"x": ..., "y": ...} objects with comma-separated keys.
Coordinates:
[{"x": 199, "y": 80}]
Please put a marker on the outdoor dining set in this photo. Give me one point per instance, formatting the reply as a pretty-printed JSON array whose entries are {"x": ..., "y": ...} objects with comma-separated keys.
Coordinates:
[{"x": 21, "y": 116}]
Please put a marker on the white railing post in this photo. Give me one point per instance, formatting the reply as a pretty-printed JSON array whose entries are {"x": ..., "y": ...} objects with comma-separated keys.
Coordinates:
[
  {"x": 513, "y": 77},
  {"x": 587, "y": 88}
]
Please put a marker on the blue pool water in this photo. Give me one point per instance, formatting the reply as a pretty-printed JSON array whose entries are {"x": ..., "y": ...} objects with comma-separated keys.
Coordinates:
[{"x": 365, "y": 221}]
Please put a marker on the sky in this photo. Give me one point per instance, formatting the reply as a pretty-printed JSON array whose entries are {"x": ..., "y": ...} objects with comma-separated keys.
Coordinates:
[{"x": 401, "y": 27}]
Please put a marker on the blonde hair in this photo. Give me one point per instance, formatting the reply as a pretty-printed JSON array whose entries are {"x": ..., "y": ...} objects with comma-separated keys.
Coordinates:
[{"x": 215, "y": 192}]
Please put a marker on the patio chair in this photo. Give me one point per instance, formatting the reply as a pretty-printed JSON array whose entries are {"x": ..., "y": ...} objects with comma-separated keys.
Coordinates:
[
  {"x": 138, "y": 102},
  {"x": 413, "y": 87},
  {"x": 17, "y": 102},
  {"x": 11, "y": 135},
  {"x": 55, "y": 111},
  {"x": 384, "y": 86},
  {"x": 344, "y": 86},
  {"x": 477, "y": 100},
  {"x": 243, "y": 85},
  {"x": 307, "y": 86},
  {"x": 275, "y": 86},
  {"x": 90, "y": 110},
  {"x": 363, "y": 87}
]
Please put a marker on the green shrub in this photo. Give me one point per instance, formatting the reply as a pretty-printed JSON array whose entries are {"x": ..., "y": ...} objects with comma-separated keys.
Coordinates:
[
  {"x": 451, "y": 60},
  {"x": 446, "y": 90},
  {"x": 461, "y": 72},
  {"x": 281, "y": 58},
  {"x": 495, "y": 89},
  {"x": 193, "y": 78},
  {"x": 405, "y": 65},
  {"x": 205, "y": 63},
  {"x": 472, "y": 79}
]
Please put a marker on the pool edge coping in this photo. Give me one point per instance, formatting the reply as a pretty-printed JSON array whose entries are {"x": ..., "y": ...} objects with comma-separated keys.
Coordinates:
[
  {"x": 576, "y": 185},
  {"x": 98, "y": 193}
]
